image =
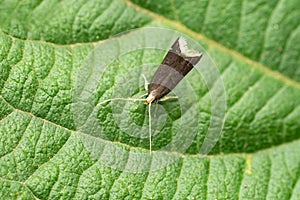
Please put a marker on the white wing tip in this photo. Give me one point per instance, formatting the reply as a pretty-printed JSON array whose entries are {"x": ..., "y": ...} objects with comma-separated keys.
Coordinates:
[{"x": 184, "y": 49}]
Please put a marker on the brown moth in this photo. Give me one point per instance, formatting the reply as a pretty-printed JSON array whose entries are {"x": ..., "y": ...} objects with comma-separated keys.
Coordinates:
[{"x": 177, "y": 63}]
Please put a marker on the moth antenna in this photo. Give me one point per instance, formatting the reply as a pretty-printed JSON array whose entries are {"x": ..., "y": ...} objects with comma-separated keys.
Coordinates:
[
  {"x": 122, "y": 99},
  {"x": 146, "y": 82},
  {"x": 150, "y": 128}
]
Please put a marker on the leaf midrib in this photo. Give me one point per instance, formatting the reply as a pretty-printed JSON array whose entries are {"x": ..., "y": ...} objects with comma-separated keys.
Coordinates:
[
  {"x": 242, "y": 154},
  {"x": 179, "y": 26}
]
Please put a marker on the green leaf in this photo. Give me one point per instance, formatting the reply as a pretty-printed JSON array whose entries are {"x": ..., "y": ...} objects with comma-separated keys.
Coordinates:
[
  {"x": 60, "y": 59},
  {"x": 264, "y": 31}
]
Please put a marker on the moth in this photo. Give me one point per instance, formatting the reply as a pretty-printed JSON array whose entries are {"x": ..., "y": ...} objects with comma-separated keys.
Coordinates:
[{"x": 177, "y": 63}]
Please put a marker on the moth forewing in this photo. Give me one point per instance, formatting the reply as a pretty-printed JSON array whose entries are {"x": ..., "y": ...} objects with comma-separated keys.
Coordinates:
[{"x": 177, "y": 63}]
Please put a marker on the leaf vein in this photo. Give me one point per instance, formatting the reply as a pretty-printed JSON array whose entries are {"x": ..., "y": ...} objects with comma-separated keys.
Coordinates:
[
  {"x": 284, "y": 48},
  {"x": 205, "y": 15},
  {"x": 118, "y": 18},
  {"x": 295, "y": 182},
  {"x": 267, "y": 31},
  {"x": 117, "y": 178},
  {"x": 108, "y": 7},
  {"x": 241, "y": 182},
  {"x": 19, "y": 141},
  {"x": 21, "y": 183},
  {"x": 175, "y": 15},
  {"x": 207, "y": 178},
  {"x": 8, "y": 51},
  {"x": 282, "y": 87},
  {"x": 34, "y": 9},
  {"x": 221, "y": 75},
  {"x": 146, "y": 179},
  {"x": 178, "y": 178},
  {"x": 240, "y": 23},
  {"x": 56, "y": 180},
  {"x": 269, "y": 176},
  {"x": 245, "y": 93},
  {"x": 291, "y": 112},
  {"x": 10, "y": 67},
  {"x": 76, "y": 17}
]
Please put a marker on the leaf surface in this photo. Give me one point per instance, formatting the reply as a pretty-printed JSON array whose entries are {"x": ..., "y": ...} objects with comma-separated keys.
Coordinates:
[{"x": 50, "y": 150}]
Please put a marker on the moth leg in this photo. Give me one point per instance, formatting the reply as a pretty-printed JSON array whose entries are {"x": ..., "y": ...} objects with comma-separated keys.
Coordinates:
[
  {"x": 168, "y": 98},
  {"x": 143, "y": 95},
  {"x": 146, "y": 83}
]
